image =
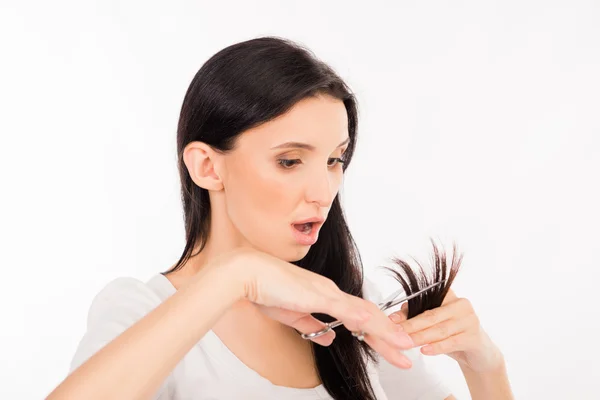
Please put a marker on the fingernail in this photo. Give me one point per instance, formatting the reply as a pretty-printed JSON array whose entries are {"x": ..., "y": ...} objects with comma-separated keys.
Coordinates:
[
  {"x": 396, "y": 318},
  {"x": 403, "y": 340},
  {"x": 330, "y": 342},
  {"x": 408, "y": 340},
  {"x": 400, "y": 360},
  {"x": 403, "y": 362}
]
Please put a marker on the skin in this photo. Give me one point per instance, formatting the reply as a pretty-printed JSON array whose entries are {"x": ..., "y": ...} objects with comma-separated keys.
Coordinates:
[
  {"x": 247, "y": 289},
  {"x": 254, "y": 200},
  {"x": 255, "y": 197},
  {"x": 454, "y": 329}
]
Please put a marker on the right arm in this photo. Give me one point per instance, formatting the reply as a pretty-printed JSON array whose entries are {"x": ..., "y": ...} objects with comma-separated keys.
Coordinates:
[{"x": 135, "y": 363}]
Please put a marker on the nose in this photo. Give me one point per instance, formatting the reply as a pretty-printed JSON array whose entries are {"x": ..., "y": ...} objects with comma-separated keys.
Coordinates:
[{"x": 322, "y": 188}]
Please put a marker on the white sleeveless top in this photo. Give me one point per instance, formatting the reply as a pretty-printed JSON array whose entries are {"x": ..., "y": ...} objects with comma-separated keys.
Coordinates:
[{"x": 211, "y": 371}]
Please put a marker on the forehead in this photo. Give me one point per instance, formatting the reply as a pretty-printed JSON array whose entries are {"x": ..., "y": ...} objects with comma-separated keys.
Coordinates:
[{"x": 320, "y": 121}]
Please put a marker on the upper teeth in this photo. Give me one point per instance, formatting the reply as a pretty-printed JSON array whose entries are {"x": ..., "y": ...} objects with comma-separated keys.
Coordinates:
[{"x": 307, "y": 226}]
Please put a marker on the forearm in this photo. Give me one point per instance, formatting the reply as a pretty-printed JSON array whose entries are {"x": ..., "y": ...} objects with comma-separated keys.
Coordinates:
[
  {"x": 134, "y": 364},
  {"x": 490, "y": 385}
]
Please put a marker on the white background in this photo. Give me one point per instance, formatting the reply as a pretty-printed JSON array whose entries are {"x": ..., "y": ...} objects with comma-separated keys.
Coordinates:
[{"x": 479, "y": 124}]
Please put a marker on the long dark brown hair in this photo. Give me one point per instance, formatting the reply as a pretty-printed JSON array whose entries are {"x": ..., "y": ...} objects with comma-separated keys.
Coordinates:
[
  {"x": 240, "y": 87},
  {"x": 439, "y": 270}
]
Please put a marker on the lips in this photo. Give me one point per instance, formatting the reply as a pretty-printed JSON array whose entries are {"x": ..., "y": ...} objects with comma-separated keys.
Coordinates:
[
  {"x": 307, "y": 220},
  {"x": 306, "y": 232}
]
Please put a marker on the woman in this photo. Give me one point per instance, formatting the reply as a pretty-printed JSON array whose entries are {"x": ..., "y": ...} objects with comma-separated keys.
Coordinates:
[{"x": 265, "y": 134}]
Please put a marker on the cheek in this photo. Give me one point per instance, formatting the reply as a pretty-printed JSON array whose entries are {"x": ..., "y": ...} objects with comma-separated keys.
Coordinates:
[
  {"x": 259, "y": 200},
  {"x": 337, "y": 181}
]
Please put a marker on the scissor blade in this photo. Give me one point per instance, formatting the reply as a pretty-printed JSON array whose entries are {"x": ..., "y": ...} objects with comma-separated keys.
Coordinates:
[
  {"x": 393, "y": 301},
  {"x": 383, "y": 306}
]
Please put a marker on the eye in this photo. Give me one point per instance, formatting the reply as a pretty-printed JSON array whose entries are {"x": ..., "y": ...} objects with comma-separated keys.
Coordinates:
[
  {"x": 288, "y": 164},
  {"x": 291, "y": 163},
  {"x": 335, "y": 161}
]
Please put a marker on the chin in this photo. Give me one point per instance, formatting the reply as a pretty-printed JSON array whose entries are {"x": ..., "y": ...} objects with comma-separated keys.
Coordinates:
[
  {"x": 301, "y": 252},
  {"x": 296, "y": 253},
  {"x": 289, "y": 252}
]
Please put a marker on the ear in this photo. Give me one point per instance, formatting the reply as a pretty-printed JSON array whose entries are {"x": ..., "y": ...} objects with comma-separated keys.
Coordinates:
[{"x": 200, "y": 161}]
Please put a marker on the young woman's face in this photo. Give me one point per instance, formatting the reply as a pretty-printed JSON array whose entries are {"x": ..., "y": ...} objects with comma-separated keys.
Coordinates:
[{"x": 286, "y": 171}]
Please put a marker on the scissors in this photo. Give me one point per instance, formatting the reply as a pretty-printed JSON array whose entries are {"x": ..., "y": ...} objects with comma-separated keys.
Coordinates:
[{"x": 390, "y": 302}]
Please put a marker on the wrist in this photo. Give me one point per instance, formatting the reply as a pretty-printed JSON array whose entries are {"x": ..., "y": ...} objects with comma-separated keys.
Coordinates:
[
  {"x": 488, "y": 358},
  {"x": 241, "y": 268},
  {"x": 496, "y": 366},
  {"x": 488, "y": 385},
  {"x": 236, "y": 271},
  {"x": 226, "y": 274}
]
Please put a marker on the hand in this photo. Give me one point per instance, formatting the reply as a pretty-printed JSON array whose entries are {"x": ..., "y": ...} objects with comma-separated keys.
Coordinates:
[
  {"x": 452, "y": 329},
  {"x": 289, "y": 294}
]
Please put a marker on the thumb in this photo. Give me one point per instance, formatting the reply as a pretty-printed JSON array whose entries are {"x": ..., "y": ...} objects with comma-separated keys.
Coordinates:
[
  {"x": 401, "y": 315},
  {"x": 404, "y": 309}
]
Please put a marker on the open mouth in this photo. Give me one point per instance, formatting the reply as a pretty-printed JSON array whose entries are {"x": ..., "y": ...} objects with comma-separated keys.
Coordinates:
[{"x": 304, "y": 228}]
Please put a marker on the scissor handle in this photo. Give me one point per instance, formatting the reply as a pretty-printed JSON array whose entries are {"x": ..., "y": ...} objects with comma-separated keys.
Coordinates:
[
  {"x": 383, "y": 306},
  {"x": 330, "y": 326}
]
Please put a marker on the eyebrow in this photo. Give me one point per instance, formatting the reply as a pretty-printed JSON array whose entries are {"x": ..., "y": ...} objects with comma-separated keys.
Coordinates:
[{"x": 298, "y": 145}]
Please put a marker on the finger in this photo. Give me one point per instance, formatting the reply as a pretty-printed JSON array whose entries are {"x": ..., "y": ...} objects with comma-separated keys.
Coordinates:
[
  {"x": 391, "y": 354},
  {"x": 439, "y": 332},
  {"x": 401, "y": 315},
  {"x": 431, "y": 317},
  {"x": 309, "y": 324},
  {"x": 358, "y": 314},
  {"x": 398, "y": 317},
  {"x": 301, "y": 322},
  {"x": 349, "y": 313},
  {"x": 448, "y": 345},
  {"x": 450, "y": 297},
  {"x": 381, "y": 326}
]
